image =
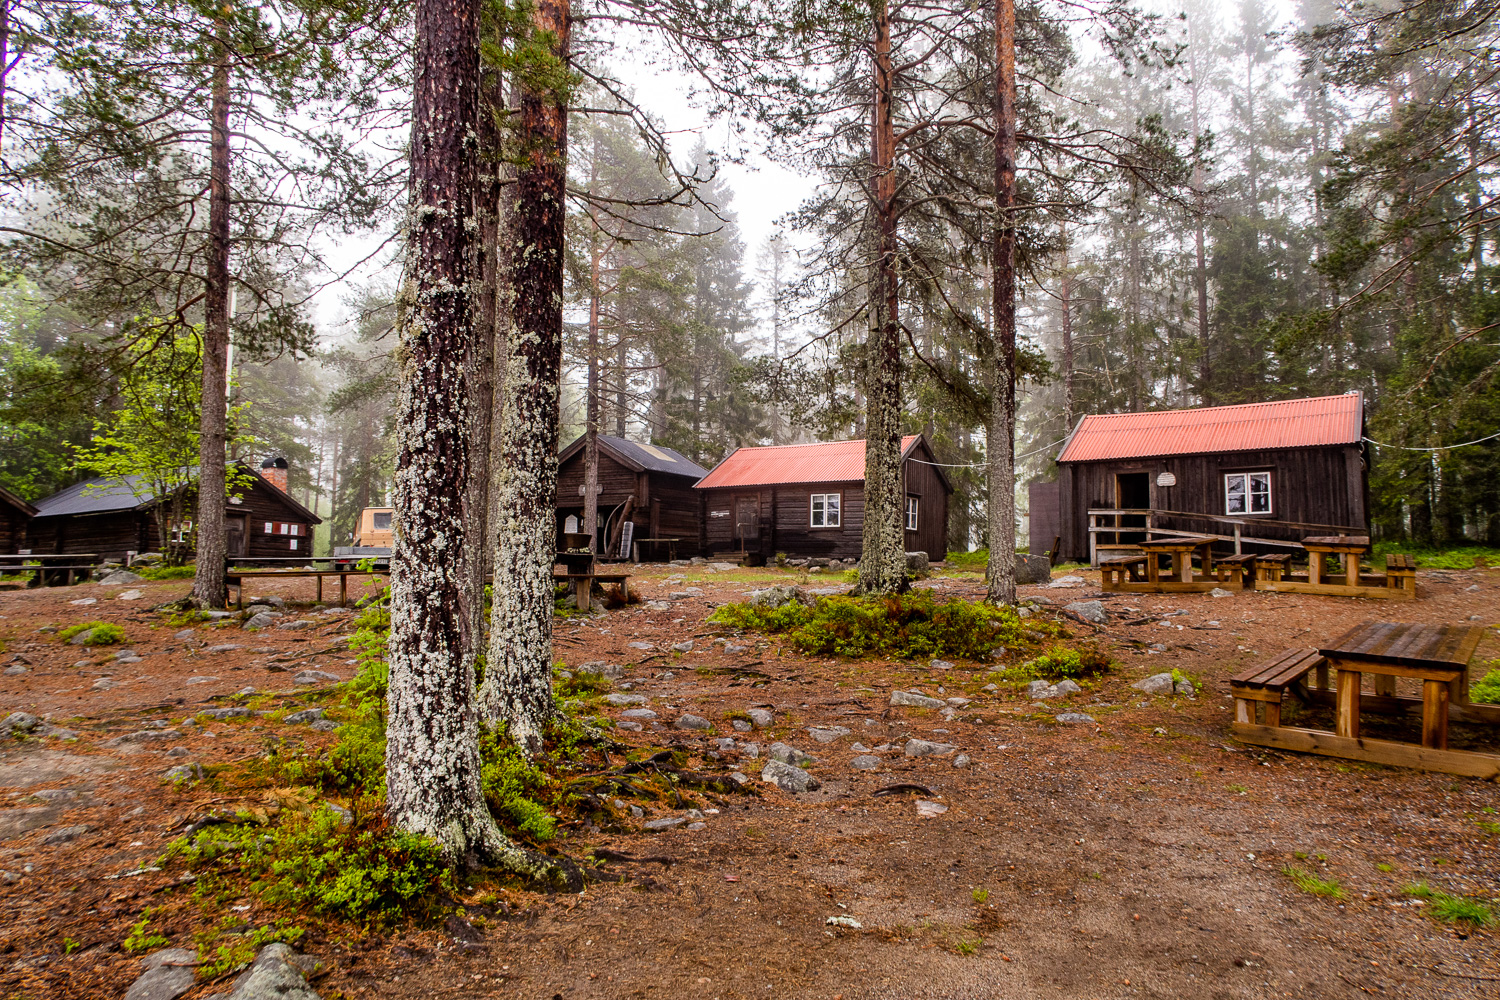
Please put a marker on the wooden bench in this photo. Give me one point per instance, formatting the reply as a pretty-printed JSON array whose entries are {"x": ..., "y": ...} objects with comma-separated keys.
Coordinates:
[
  {"x": 1267, "y": 681},
  {"x": 236, "y": 578},
  {"x": 1272, "y": 568},
  {"x": 1401, "y": 572},
  {"x": 583, "y": 585},
  {"x": 1238, "y": 571},
  {"x": 1116, "y": 570}
]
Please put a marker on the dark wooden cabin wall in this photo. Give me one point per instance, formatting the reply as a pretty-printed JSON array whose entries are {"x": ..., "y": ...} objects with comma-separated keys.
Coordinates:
[
  {"x": 923, "y": 481},
  {"x": 666, "y": 505},
  {"x": 12, "y": 530},
  {"x": 1326, "y": 486},
  {"x": 1045, "y": 515}
]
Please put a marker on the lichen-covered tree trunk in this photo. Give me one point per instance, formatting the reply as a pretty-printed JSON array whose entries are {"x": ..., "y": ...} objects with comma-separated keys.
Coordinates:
[
  {"x": 432, "y": 750},
  {"x": 1001, "y": 431},
  {"x": 518, "y": 671},
  {"x": 882, "y": 562}
]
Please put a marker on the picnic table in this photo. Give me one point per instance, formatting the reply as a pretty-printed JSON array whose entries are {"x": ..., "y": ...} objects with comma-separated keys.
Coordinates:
[
  {"x": 1399, "y": 582},
  {"x": 1123, "y": 572},
  {"x": 49, "y": 564},
  {"x": 1438, "y": 655},
  {"x": 1348, "y": 548},
  {"x": 670, "y": 543}
]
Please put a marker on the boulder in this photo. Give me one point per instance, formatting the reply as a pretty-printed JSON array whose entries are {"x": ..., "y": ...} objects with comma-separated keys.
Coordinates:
[
  {"x": 918, "y": 564},
  {"x": 827, "y": 734},
  {"x": 185, "y": 772},
  {"x": 1156, "y": 684},
  {"x": 638, "y": 713},
  {"x": 913, "y": 700},
  {"x": 686, "y": 646},
  {"x": 775, "y": 597},
  {"x": 305, "y": 717},
  {"x": 790, "y": 755},
  {"x": 1185, "y": 688},
  {"x": 1075, "y": 718},
  {"x": 278, "y": 973},
  {"x": 168, "y": 974},
  {"x": 1033, "y": 569},
  {"x": 18, "y": 722},
  {"x": 762, "y": 718},
  {"x": 259, "y": 620},
  {"x": 1066, "y": 582},
  {"x": 613, "y": 671},
  {"x": 865, "y": 762},
  {"x": 1089, "y": 611},
  {"x": 121, "y": 577},
  {"x": 687, "y": 721},
  {"x": 624, "y": 700},
  {"x": 789, "y": 777},
  {"x": 926, "y": 748}
]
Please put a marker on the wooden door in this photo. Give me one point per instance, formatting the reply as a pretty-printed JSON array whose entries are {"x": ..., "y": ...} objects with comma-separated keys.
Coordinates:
[
  {"x": 236, "y": 535},
  {"x": 747, "y": 523}
]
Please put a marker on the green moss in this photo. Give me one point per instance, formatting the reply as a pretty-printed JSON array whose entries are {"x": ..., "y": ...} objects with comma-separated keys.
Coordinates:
[
  {"x": 101, "y": 634},
  {"x": 1059, "y": 661},
  {"x": 510, "y": 781},
  {"x": 221, "y": 950},
  {"x": 140, "y": 937},
  {"x": 165, "y": 572}
]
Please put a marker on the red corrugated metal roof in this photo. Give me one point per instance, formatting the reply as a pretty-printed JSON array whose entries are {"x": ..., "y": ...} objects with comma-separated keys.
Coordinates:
[
  {"x": 1286, "y": 423},
  {"x": 828, "y": 462}
]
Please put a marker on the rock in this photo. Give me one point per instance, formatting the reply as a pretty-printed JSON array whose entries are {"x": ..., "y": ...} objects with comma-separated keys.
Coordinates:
[
  {"x": 313, "y": 677},
  {"x": 911, "y": 699},
  {"x": 622, "y": 700},
  {"x": 659, "y": 606},
  {"x": 18, "y": 722},
  {"x": 962, "y": 760},
  {"x": 761, "y": 717},
  {"x": 1089, "y": 611},
  {"x": 1075, "y": 718},
  {"x": 665, "y": 823},
  {"x": 129, "y": 595},
  {"x": 1033, "y": 569},
  {"x": 1040, "y": 599},
  {"x": 827, "y": 734},
  {"x": 278, "y": 973},
  {"x": 841, "y": 920},
  {"x": 1471, "y": 588},
  {"x": 304, "y": 717},
  {"x": 105, "y": 684},
  {"x": 941, "y": 665},
  {"x": 686, "y": 721},
  {"x": 325, "y": 725},
  {"x": 1063, "y": 582},
  {"x": 183, "y": 634},
  {"x": 1067, "y": 687},
  {"x": 275, "y": 602},
  {"x": 168, "y": 975},
  {"x": 81, "y": 638},
  {"x": 740, "y": 725},
  {"x": 751, "y": 750},
  {"x": 344, "y": 816},
  {"x": 132, "y": 658},
  {"x": 639, "y": 645},
  {"x": 185, "y": 772},
  {"x": 65, "y": 834},
  {"x": 613, "y": 671},
  {"x": 260, "y": 620},
  {"x": 929, "y": 810},
  {"x": 256, "y": 607},
  {"x": 298, "y": 625},
  {"x": 1185, "y": 688},
  {"x": 14, "y": 670},
  {"x": 247, "y": 689},
  {"x": 224, "y": 647},
  {"x": 1155, "y": 684},
  {"x": 789, "y": 777},
  {"x": 228, "y": 713},
  {"x": 918, "y": 564},
  {"x": 865, "y": 762},
  {"x": 638, "y": 713},
  {"x": 629, "y": 725},
  {"x": 85, "y": 601},
  {"x": 176, "y": 752},
  {"x": 121, "y": 577},
  {"x": 686, "y": 646},
  {"x": 775, "y": 597},
  {"x": 790, "y": 755},
  {"x": 1220, "y": 592},
  {"x": 1040, "y": 691},
  {"x": 926, "y": 748},
  {"x": 213, "y": 616},
  {"x": 693, "y": 591},
  {"x": 201, "y": 679},
  {"x": 144, "y": 736}
]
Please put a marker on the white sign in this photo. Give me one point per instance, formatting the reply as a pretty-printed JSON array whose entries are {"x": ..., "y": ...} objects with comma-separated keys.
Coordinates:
[
  {"x": 718, "y": 513},
  {"x": 627, "y": 535},
  {"x": 1166, "y": 479}
]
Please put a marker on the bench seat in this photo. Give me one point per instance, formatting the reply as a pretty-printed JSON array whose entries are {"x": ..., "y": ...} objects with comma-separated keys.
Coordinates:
[{"x": 1267, "y": 681}]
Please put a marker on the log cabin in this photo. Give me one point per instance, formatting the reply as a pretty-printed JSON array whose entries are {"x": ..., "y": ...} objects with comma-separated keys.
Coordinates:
[
  {"x": 808, "y": 500},
  {"x": 646, "y": 486},
  {"x": 105, "y": 516},
  {"x": 15, "y": 514},
  {"x": 1276, "y": 471}
]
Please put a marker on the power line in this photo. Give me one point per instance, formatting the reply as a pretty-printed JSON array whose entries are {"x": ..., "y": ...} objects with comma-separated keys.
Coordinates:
[
  {"x": 1446, "y": 447},
  {"x": 986, "y": 465}
]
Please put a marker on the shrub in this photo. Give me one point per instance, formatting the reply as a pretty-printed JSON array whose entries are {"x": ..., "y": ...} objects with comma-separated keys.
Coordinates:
[
  {"x": 101, "y": 633},
  {"x": 906, "y": 626},
  {"x": 1487, "y": 688},
  {"x": 164, "y": 572},
  {"x": 509, "y": 780},
  {"x": 140, "y": 937},
  {"x": 215, "y": 959}
]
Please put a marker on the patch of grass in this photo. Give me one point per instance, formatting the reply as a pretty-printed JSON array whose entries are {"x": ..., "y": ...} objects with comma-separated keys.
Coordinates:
[
  {"x": 906, "y": 626},
  {"x": 101, "y": 633},
  {"x": 1487, "y": 688},
  {"x": 1384, "y": 866},
  {"x": 216, "y": 959},
  {"x": 1459, "y": 557},
  {"x": 140, "y": 937},
  {"x": 70, "y": 946},
  {"x": 1060, "y": 661},
  {"x": 1241, "y": 789},
  {"x": 966, "y": 946},
  {"x": 981, "y": 895},
  {"x": 1449, "y": 909},
  {"x": 1305, "y": 880},
  {"x": 165, "y": 572}
]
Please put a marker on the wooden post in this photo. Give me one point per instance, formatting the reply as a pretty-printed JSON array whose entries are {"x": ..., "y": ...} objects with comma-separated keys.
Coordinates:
[
  {"x": 1314, "y": 566},
  {"x": 343, "y": 590},
  {"x": 1273, "y": 713},
  {"x": 1351, "y": 568},
  {"x": 1093, "y": 541},
  {"x": 1348, "y": 704},
  {"x": 1237, "y": 550},
  {"x": 1320, "y": 676},
  {"x": 1385, "y": 684},
  {"x": 1185, "y": 569},
  {"x": 1435, "y": 715},
  {"x": 320, "y": 588}
]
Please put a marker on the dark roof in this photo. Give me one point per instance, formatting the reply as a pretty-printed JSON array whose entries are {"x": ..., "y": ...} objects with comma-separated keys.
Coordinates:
[
  {"x": 640, "y": 457},
  {"x": 107, "y": 494},
  {"x": 7, "y": 497}
]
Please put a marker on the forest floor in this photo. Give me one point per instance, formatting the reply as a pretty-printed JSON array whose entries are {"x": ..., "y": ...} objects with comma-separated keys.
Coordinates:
[{"x": 1143, "y": 855}]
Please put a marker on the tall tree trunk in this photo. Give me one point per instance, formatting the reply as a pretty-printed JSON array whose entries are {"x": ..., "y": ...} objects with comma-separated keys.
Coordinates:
[
  {"x": 882, "y": 563},
  {"x": 592, "y": 402},
  {"x": 432, "y": 750},
  {"x": 1001, "y": 431},
  {"x": 518, "y": 675},
  {"x": 209, "y": 590},
  {"x": 1066, "y": 298},
  {"x": 621, "y": 385}
]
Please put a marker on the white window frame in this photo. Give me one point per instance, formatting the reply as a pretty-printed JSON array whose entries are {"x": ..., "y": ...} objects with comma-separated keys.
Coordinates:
[
  {"x": 294, "y": 545},
  {"x": 832, "y": 514},
  {"x": 270, "y": 528},
  {"x": 1248, "y": 492},
  {"x": 913, "y": 512}
]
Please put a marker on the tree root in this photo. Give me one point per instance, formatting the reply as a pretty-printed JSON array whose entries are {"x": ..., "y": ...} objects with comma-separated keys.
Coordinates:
[{"x": 898, "y": 789}]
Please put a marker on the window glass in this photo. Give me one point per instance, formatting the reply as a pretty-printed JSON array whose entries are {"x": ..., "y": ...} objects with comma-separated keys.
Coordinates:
[
  {"x": 294, "y": 544},
  {"x": 268, "y": 527},
  {"x": 818, "y": 510},
  {"x": 1247, "y": 493},
  {"x": 1260, "y": 492},
  {"x": 382, "y": 521},
  {"x": 825, "y": 510},
  {"x": 911, "y": 513}
]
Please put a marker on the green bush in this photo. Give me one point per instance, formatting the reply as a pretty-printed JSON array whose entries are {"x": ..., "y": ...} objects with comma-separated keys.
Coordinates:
[
  {"x": 907, "y": 626},
  {"x": 165, "y": 572},
  {"x": 509, "y": 780},
  {"x": 103, "y": 633},
  {"x": 1487, "y": 688}
]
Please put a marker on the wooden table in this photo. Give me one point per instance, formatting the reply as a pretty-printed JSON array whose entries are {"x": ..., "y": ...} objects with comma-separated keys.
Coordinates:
[
  {"x": 1180, "y": 548},
  {"x": 1438, "y": 655},
  {"x": 670, "y": 543},
  {"x": 1350, "y": 547}
]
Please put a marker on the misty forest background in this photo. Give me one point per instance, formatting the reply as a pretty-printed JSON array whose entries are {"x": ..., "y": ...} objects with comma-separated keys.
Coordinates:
[{"x": 1324, "y": 223}]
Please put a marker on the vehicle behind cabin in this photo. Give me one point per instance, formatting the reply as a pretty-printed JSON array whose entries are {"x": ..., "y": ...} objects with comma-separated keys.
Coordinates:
[{"x": 373, "y": 538}]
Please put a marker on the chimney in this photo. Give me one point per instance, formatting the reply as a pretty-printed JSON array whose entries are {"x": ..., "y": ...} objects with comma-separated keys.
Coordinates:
[{"x": 273, "y": 471}]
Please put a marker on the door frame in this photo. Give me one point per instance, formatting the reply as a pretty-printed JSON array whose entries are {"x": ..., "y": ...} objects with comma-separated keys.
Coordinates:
[{"x": 736, "y": 535}]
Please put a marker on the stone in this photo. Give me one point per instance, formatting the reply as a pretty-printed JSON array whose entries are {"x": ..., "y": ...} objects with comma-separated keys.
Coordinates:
[
  {"x": 324, "y": 725},
  {"x": 22, "y": 722},
  {"x": 65, "y": 834},
  {"x": 278, "y": 973},
  {"x": 613, "y": 671},
  {"x": 121, "y": 577},
  {"x": 1075, "y": 718},
  {"x": 224, "y": 647},
  {"x": 176, "y": 752},
  {"x": 255, "y": 622},
  {"x": 127, "y": 658},
  {"x": 1039, "y": 599},
  {"x": 790, "y": 755},
  {"x": 1220, "y": 592},
  {"x": 724, "y": 743},
  {"x": 664, "y": 823},
  {"x": 629, "y": 725},
  {"x": 827, "y": 734},
  {"x": 1040, "y": 691},
  {"x": 168, "y": 974},
  {"x": 1156, "y": 684},
  {"x": 247, "y": 689},
  {"x": 183, "y": 634},
  {"x": 789, "y": 777},
  {"x": 1089, "y": 611},
  {"x": 1032, "y": 569},
  {"x": 941, "y": 665},
  {"x": 313, "y": 677},
  {"x": 638, "y": 713},
  {"x": 228, "y": 713},
  {"x": 622, "y": 700},
  {"x": 686, "y": 646},
  {"x": 129, "y": 595},
  {"x": 751, "y": 750},
  {"x": 918, "y": 564},
  {"x": 106, "y": 684},
  {"x": 927, "y": 748},
  {"x": 213, "y": 616},
  {"x": 842, "y": 920},
  {"x": 693, "y": 591},
  {"x": 761, "y": 717},
  {"x": 1185, "y": 688},
  {"x": 84, "y": 601},
  {"x": 929, "y": 810},
  {"x": 688, "y": 721},
  {"x": 304, "y": 717},
  {"x": 273, "y": 601},
  {"x": 1067, "y": 687},
  {"x": 740, "y": 725},
  {"x": 639, "y": 645},
  {"x": 202, "y": 679},
  {"x": 659, "y": 606},
  {"x": 81, "y": 638},
  {"x": 299, "y": 625},
  {"x": 14, "y": 670},
  {"x": 344, "y": 816},
  {"x": 185, "y": 772},
  {"x": 865, "y": 762},
  {"x": 1471, "y": 588},
  {"x": 775, "y": 597},
  {"x": 144, "y": 736},
  {"x": 911, "y": 699},
  {"x": 1065, "y": 582},
  {"x": 962, "y": 760}
]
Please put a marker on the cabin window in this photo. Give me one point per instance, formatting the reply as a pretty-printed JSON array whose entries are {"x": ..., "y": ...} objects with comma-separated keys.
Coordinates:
[
  {"x": 913, "y": 505},
  {"x": 1247, "y": 493},
  {"x": 294, "y": 545},
  {"x": 382, "y": 521},
  {"x": 825, "y": 510},
  {"x": 270, "y": 528},
  {"x": 180, "y": 531}
]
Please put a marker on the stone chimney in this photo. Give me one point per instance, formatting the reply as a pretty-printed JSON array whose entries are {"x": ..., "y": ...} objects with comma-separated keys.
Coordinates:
[{"x": 273, "y": 471}]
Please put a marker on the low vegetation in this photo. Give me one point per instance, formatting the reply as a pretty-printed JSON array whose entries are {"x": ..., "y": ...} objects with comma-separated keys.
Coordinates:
[
  {"x": 165, "y": 572},
  {"x": 1487, "y": 688},
  {"x": 1449, "y": 909},
  {"x": 1461, "y": 557},
  {"x": 1305, "y": 880},
  {"x": 99, "y": 634}
]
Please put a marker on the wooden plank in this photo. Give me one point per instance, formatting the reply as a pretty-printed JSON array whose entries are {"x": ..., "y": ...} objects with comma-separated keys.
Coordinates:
[
  {"x": 1435, "y": 715},
  {"x": 1347, "y": 720},
  {"x": 1458, "y": 711},
  {"x": 1297, "y": 669},
  {"x": 1256, "y": 694},
  {"x": 1440, "y": 646},
  {"x": 1166, "y": 586},
  {"x": 1359, "y": 663},
  {"x": 1461, "y": 762},
  {"x": 1273, "y": 713},
  {"x": 1334, "y": 590}
]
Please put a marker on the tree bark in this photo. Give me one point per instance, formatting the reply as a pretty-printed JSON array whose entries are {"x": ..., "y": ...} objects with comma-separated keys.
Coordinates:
[
  {"x": 882, "y": 563},
  {"x": 432, "y": 751},
  {"x": 209, "y": 590},
  {"x": 592, "y": 403},
  {"x": 1200, "y": 270},
  {"x": 1001, "y": 432},
  {"x": 1065, "y": 297},
  {"x": 518, "y": 678}
]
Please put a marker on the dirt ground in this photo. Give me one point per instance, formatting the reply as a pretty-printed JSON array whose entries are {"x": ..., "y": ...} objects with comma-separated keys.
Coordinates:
[{"x": 1141, "y": 855}]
